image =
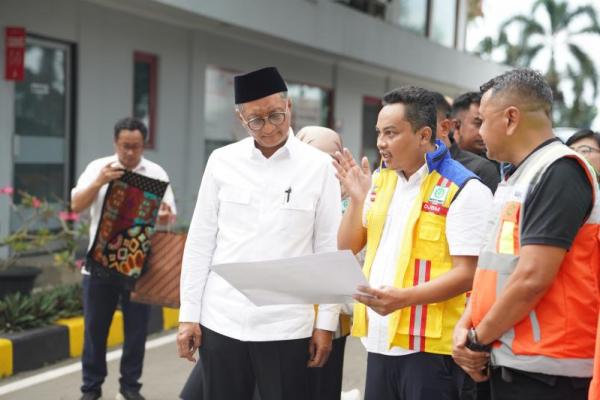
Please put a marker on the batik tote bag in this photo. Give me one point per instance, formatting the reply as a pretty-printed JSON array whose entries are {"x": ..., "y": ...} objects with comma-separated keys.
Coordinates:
[{"x": 122, "y": 242}]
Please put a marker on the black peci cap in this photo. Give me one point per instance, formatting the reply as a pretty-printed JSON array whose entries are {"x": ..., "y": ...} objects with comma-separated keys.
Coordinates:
[{"x": 258, "y": 84}]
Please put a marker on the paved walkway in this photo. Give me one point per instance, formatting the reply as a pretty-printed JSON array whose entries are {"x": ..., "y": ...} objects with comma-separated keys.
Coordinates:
[{"x": 164, "y": 374}]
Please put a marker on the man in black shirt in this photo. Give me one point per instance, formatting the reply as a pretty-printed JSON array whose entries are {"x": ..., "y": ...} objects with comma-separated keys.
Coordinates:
[
  {"x": 558, "y": 205},
  {"x": 535, "y": 290},
  {"x": 467, "y": 121},
  {"x": 466, "y": 118},
  {"x": 483, "y": 168}
]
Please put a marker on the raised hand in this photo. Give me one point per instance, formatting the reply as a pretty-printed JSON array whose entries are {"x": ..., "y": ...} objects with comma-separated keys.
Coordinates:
[{"x": 355, "y": 179}]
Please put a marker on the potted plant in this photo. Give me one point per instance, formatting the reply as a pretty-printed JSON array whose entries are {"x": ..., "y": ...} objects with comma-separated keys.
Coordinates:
[{"x": 43, "y": 228}]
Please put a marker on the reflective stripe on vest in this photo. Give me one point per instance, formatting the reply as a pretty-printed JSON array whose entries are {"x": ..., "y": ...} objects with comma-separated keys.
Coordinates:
[{"x": 557, "y": 337}]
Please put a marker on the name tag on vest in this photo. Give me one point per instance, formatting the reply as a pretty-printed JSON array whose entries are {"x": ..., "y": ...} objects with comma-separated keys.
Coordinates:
[{"x": 435, "y": 208}]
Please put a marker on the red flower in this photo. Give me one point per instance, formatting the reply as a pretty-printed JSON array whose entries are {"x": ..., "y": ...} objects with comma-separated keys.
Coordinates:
[
  {"x": 8, "y": 190},
  {"x": 35, "y": 202},
  {"x": 68, "y": 216},
  {"x": 79, "y": 263}
]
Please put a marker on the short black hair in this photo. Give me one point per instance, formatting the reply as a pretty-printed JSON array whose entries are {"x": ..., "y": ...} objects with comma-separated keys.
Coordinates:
[
  {"x": 529, "y": 86},
  {"x": 463, "y": 102},
  {"x": 441, "y": 104},
  {"x": 130, "y": 124},
  {"x": 419, "y": 106},
  {"x": 583, "y": 134}
]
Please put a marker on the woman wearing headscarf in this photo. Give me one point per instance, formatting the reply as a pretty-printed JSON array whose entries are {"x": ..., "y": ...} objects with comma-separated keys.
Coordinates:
[{"x": 326, "y": 382}]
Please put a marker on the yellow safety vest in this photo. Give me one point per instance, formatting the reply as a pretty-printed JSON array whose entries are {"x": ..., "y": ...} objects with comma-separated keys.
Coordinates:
[{"x": 424, "y": 256}]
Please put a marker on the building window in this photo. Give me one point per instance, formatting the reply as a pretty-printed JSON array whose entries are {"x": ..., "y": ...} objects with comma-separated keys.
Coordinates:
[
  {"x": 222, "y": 125},
  {"x": 370, "y": 111},
  {"x": 145, "y": 73},
  {"x": 435, "y": 19},
  {"x": 442, "y": 26},
  {"x": 376, "y": 8},
  {"x": 311, "y": 105},
  {"x": 409, "y": 14}
]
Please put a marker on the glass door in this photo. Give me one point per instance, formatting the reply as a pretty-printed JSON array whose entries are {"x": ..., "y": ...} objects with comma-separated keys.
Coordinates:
[{"x": 42, "y": 137}]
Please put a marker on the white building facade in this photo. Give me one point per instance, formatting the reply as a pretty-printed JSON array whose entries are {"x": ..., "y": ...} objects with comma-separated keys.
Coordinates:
[{"x": 171, "y": 62}]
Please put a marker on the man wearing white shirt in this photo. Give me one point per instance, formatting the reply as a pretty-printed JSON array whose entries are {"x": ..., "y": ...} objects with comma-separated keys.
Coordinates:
[
  {"x": 101, "y": 294},
  {"x": 420, "y": 217},
  {"x": 265, "y": 197}
]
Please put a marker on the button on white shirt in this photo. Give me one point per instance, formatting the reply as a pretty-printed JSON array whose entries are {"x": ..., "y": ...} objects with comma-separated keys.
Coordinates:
[
  {"x": 243, "y": 213},
  {"x": 91, "y": 172},
  {"x": 465, "y": 231}
]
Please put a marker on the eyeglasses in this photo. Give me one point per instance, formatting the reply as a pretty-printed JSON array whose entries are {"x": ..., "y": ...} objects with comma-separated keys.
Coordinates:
[
  {"x": 127, "y": 147},
  {"x": 585, "y": 149},
  {"x": 275, "y": 118}
]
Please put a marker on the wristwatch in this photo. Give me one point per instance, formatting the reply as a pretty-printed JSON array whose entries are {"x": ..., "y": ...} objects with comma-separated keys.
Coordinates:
[{"x": 473, "y": 344}]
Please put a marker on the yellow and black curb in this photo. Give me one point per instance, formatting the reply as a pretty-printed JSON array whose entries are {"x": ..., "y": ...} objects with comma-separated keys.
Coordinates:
[{"x": 32, "y": 349}]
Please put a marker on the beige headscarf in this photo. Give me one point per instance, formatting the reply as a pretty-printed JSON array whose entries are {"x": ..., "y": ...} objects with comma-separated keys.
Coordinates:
[{"x": 324, "y": 139}]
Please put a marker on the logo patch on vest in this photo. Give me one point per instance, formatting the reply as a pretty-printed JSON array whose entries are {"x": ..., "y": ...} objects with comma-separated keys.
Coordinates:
[{"x": 439, "y": 194}]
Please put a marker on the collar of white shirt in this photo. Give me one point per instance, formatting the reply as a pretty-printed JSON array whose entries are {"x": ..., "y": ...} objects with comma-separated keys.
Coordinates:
[
  {"x": 284, "y": 151},
  {"x": 421, "y": 172},
  {"x": 417, "y": 176}
]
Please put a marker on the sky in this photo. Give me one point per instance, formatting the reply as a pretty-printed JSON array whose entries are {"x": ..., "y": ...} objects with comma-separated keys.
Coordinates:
[{"x": 497, "y": 11}]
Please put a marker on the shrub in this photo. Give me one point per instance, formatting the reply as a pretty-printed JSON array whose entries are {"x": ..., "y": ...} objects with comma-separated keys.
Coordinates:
[{"x": 19, "y": 312}]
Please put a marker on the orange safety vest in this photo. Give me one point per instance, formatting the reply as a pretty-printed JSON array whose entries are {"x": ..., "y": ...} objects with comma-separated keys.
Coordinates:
[{"x": 557, "y": 337}]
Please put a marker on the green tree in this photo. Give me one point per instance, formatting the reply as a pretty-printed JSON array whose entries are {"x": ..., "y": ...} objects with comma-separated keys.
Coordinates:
[{"x": 554, "y": 37}]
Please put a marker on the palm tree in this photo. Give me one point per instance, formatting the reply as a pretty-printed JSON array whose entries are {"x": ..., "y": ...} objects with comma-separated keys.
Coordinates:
[
  {"x": 554, "y": 41},
  {"x": 579, "y": 113}
]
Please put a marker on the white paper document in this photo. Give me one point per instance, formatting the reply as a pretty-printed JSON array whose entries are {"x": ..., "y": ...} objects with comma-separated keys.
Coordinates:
[{"x": 313, "y": 279}]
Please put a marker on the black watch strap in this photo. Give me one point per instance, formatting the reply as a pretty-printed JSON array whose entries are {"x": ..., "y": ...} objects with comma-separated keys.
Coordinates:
[{"x": 473, "y": 344}]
